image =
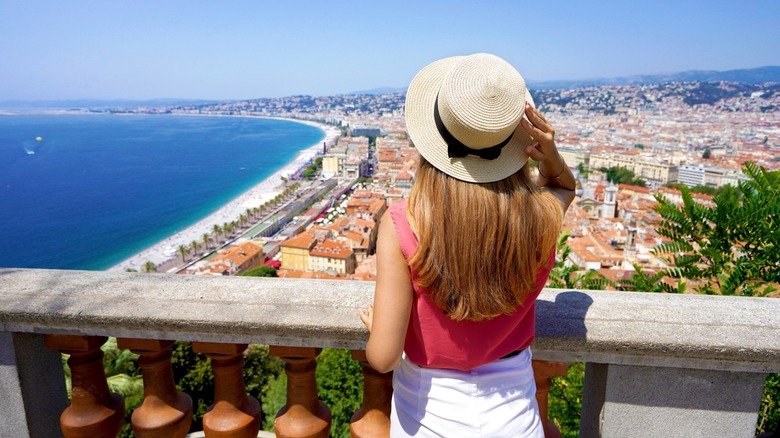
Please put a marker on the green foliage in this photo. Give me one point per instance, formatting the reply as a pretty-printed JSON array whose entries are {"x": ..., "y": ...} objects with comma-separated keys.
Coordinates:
[
  {"x": 707, "y": 153},
  {"x": 731, "y": 248},
  {"x": 565, "y": 400},
  {"x": 259, "y": 369},
  {"x": 622, "y": 175},
  {"x": 582, "y": 170},
  {"x": 193, "y": 375},
  {"x": 311, "y": 171},
  {"x": 273, "y": 400},
  {"x": 769, "y": 414},
  {"x": 260, "y": 271},
  {"x": 340, "y": 386},
  {"x": 641, "y": 281},
  {"x": 705, "y": 190}
]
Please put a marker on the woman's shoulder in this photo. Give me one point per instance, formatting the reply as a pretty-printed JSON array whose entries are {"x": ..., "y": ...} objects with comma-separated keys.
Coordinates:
[
  {"x": 399, "y": 207},
  {"x": 397, "y": 215}
]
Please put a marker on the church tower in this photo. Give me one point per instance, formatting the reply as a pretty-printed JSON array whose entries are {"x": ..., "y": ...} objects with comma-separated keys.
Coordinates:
[{"x": 609, "y": 206}]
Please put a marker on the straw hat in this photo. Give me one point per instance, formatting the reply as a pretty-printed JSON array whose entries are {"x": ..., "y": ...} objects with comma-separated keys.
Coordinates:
[{"x": 463, "y": 114}]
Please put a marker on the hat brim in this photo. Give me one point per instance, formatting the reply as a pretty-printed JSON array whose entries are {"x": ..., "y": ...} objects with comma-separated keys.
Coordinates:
[{"x": 421, "y": 125}]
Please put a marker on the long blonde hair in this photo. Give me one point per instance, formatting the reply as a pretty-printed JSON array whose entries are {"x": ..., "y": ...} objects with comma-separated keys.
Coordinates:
[{"x": 481, "y": 245}]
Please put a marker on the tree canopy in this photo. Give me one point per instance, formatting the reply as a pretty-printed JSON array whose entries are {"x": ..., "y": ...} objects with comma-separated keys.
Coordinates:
[
  {"x": 622, "y": 175},
  {"x": 260, "y": 271}
]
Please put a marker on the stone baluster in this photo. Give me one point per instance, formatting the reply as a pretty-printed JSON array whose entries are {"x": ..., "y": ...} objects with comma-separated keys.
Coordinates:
[
  {"x": 543, "y": 371},
  {"x": 94, "y": 412},
  {"x": 234, "y": 414},
  {"x": 304, "y": 415},
  {"x": 373, "y": 418},
  {"x": 165, "y": 412}
]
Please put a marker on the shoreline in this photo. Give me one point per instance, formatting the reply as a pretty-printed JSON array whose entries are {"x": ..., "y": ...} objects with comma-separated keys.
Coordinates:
[{"x": 257, "y": 195}]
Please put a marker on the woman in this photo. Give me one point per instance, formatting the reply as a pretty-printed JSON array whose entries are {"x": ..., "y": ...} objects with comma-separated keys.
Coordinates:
[{"x": 460, "y": 265}]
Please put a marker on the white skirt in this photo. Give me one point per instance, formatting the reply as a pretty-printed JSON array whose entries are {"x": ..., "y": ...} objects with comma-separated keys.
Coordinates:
[{"x": 494, "y": 400}]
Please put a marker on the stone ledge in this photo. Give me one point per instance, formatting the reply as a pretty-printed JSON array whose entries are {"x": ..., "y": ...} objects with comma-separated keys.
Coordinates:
[{"x": 690, "y": 331}]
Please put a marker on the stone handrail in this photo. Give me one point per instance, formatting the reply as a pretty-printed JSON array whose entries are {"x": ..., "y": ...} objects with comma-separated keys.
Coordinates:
[{"x": 647, "y": 354}]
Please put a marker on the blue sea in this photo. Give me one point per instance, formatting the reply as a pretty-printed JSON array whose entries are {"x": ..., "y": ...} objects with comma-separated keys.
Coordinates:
[{"x": 88, "y": 191}]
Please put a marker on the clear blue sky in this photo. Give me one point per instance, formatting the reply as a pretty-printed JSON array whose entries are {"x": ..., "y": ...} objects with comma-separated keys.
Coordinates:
[{"x": 245, "y": 49}]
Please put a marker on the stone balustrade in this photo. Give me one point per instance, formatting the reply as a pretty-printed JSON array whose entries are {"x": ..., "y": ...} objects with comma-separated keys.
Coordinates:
[{"x": 656, "y": 364}]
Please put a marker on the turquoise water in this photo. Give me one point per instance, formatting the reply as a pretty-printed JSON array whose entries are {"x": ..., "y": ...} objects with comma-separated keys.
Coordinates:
[{"x": 96, "y": 189}]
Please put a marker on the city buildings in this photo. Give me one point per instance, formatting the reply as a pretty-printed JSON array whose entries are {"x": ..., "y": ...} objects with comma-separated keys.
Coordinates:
[{"x": 695, "y": 134}]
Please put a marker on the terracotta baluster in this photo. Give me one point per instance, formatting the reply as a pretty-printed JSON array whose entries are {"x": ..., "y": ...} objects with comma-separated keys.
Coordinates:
[
  {"x": 543, "y": 371},
  {"x": 373, "y": 417},
  {"x": 165, "y": 412},
  {"x": 304, "y": 415},
  {"x": 234, "y": 414},
  {"x": 94, "y": 412}
]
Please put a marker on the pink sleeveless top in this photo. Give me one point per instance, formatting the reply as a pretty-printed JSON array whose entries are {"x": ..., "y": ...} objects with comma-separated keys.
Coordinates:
[{"x": 434, "y": 340}]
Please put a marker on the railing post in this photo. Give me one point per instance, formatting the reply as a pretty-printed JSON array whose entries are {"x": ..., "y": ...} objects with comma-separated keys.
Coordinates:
[
  {"x": 32, "y": 384},
  {"x": 234, "y": 414},
  {"x": 619, "y": 400},
  {"x": 94, "y": 412},
  {"x": 165, "y": 412},
  {"x": 304, "y": 415},
  {"x": 373, "y": 418},
  {"x": 543, "y": 371}
]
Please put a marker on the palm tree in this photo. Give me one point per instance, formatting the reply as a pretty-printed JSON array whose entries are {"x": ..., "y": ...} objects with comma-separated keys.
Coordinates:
[
  {"x": 206, "y": 239},
  {"x": 184, "y": 252},
  {"x": 216, "y": 230},
  {"x": 226, "y": 229},
  {"x": 195, "y": 245},
  {"x": 149, "y": 266}
]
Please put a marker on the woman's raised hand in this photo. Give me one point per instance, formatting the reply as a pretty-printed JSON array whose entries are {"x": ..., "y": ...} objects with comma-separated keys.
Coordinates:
[{"x": 542, "y": 132}]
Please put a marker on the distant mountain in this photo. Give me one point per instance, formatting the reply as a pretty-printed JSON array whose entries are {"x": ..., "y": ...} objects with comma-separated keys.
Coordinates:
[
  {"x": 382, "y": 90},
  {"x": 32, "y": 105},
  {"x": 746, "y": 76}
]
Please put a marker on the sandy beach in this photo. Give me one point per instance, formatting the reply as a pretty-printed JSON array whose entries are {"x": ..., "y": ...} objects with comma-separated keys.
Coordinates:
[{"x": 266, "y": 190}]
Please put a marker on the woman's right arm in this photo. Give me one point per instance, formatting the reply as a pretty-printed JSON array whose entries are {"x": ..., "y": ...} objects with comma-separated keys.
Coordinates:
[{"x": 388, "y": 318}]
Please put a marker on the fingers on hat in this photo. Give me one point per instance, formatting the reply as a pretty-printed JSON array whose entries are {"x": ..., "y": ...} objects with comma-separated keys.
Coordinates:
[
  {"x": 531, "y": 130},
  {"x": 537, "y": 118}
]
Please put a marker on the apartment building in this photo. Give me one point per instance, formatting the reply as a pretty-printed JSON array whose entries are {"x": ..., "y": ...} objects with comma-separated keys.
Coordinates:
[
  {"x": 295, "y": 251},
  {"x": 330, "y": 255},
  {"x": 654, "y": 170},
  {"x": 575, "y": 157},
  {"x": 691, "y": 175}
]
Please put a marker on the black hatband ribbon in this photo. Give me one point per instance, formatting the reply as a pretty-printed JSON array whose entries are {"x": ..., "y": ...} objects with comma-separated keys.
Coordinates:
[{"x": 456, "y": 149}]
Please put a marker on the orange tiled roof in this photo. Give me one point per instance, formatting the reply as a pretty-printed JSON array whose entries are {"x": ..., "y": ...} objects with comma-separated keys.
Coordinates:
[
  {"x": 331, "y": 248},
  {"x": 301, "y": 241},
  {"x": 239, "y": 254}
]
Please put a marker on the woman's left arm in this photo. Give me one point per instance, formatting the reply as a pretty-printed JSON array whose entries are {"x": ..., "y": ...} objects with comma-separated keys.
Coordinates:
[{"x": 388, "y": 318}]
